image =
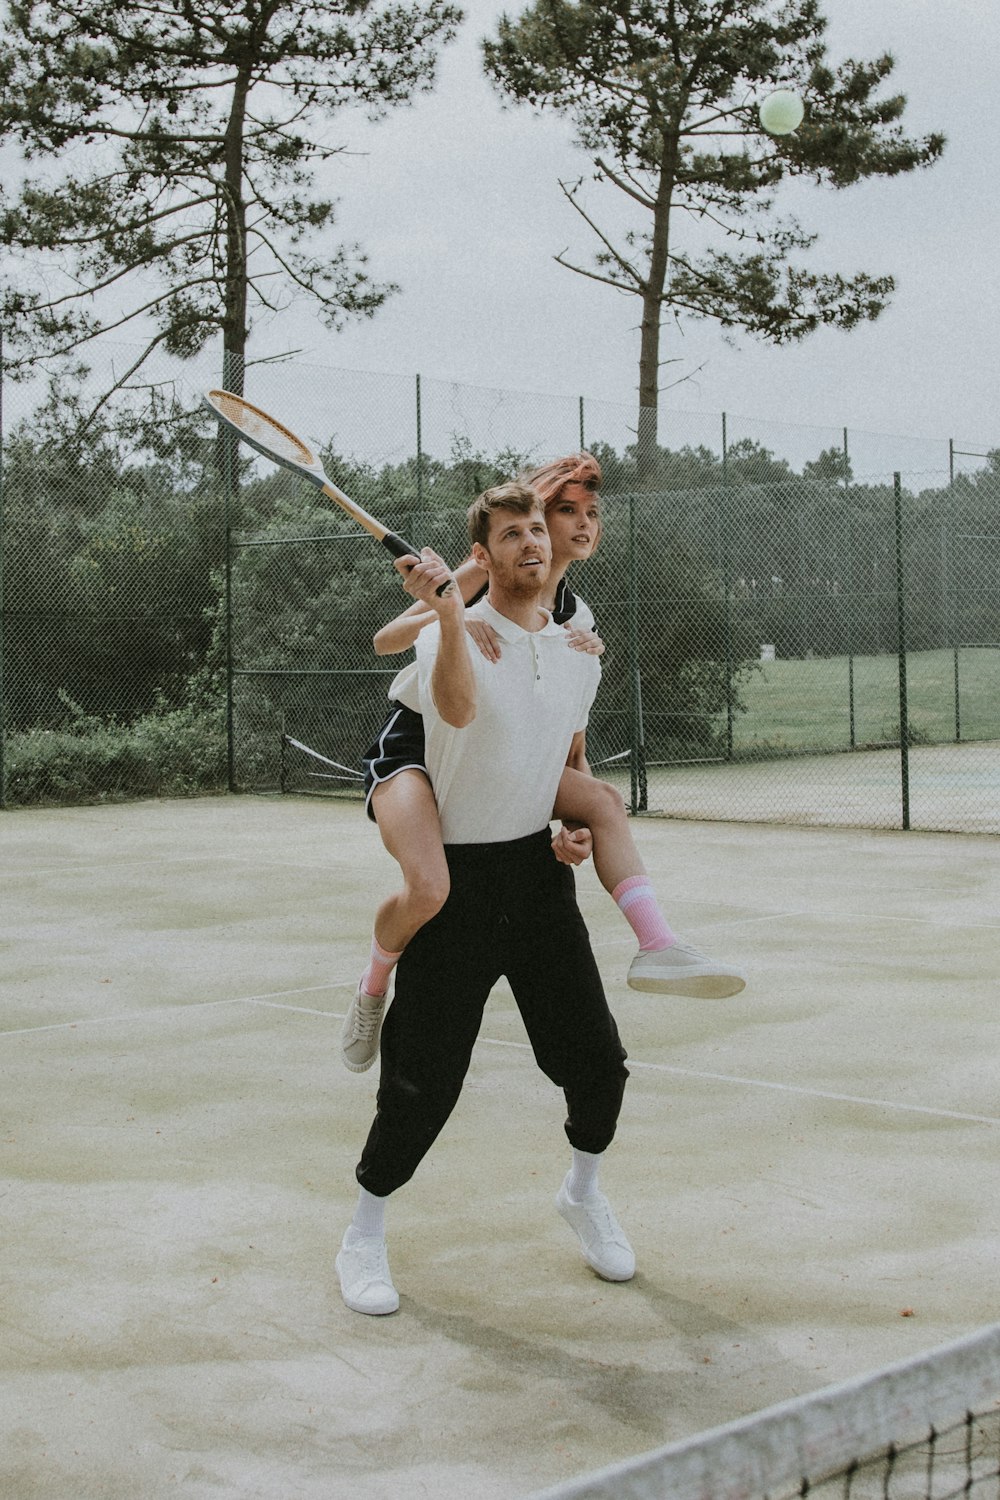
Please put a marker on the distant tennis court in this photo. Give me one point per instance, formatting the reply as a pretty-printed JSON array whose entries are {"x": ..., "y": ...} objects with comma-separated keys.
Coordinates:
[{"x": 946, "y": 787}]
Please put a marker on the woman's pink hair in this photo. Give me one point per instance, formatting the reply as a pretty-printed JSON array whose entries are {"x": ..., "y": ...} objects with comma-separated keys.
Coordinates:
[{"x": 550, "y": 479}]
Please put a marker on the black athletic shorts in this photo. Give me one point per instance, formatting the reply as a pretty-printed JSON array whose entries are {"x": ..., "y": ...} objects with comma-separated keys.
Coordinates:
[{"x": 398, "y": 747}]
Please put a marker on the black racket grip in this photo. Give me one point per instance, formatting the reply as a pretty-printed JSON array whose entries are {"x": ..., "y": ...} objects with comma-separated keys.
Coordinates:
[{"x": 399, "y": 548}]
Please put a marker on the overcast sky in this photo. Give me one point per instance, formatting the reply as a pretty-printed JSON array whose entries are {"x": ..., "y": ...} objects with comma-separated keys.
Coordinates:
[{"x": 457, "y": 200}]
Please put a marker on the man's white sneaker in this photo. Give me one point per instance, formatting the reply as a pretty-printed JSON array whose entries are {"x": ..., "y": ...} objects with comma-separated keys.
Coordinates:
[
  {"x": 361, "y": 1031},
  {"x": 682, "y": 970},
  {"x": 601, "y": 1237},
  {"x": 363, "y": 1267}
]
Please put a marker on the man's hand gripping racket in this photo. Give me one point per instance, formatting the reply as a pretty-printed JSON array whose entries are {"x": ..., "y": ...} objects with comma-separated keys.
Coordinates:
[
  {"x": 281, "y": 446},
  {"x": 429, "y": 582}
]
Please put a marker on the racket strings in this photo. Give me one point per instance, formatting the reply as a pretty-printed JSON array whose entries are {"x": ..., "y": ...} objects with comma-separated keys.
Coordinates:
[{"x": 260, "y": 429}]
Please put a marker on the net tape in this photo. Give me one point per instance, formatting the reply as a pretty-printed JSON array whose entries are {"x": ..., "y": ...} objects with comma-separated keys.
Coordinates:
[
  {"x": 352, "y": 772},
  {"x": 790, "y": 1449}
]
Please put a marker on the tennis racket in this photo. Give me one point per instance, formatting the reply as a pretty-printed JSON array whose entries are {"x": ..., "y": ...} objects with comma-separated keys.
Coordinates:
[{"x": 282, "y": 447}]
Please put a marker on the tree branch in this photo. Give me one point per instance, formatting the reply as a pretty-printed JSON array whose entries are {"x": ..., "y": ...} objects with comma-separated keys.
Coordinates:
[
  {"x": 119, "y": 382},
  {"x": 619, "y": 259},
  {"x": 642, "y": 198},
  {"x": 595, "y": 275}
]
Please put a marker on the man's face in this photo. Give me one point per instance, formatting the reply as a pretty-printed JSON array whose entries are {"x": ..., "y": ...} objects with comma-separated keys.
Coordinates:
[{"x": 520, "y": 553}]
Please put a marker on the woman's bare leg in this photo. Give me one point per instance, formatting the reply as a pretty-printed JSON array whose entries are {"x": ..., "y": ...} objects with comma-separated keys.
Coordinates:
[
  {"x": 596, "y": 804},
  {"x": 663, "y": 965},
  {"x": 411, "y": 831}
]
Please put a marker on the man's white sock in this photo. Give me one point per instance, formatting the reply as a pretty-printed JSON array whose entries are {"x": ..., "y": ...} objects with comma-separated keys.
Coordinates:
[
  {"x": 369, "y": 1216},
  {"x": 582, "y": 1180}
]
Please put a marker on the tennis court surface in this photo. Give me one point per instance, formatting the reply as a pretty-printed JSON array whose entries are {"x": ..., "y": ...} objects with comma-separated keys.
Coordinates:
[{"x": 809, "y": 1173}]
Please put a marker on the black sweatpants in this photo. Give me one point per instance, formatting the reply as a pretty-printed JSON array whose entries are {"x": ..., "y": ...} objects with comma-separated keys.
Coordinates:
[{"x": 512, "y": 911}]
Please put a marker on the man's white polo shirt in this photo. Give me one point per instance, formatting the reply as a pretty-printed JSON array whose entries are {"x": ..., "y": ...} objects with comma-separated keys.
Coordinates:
[{"x": 496, "y": 779}]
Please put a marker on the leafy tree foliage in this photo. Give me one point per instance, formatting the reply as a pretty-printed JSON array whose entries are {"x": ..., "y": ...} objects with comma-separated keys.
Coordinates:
[
  {"x": 108, "y": 580},
  {"x": 115, "y": 621},
  {"x": 170, "y": 153},
  {"x": 832, "y": 464},
  {"x": 663, "y": 97}
]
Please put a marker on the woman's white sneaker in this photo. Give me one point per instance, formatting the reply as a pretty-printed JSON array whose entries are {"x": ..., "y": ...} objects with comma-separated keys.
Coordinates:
[
  {"x": 682, "y": 970},
  {"x": 362, "y": 1031}
]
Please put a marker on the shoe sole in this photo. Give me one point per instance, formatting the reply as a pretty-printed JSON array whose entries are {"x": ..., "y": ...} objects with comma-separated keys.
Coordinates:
[
  {"x": 370, "y": 1312},
  {"x": 693, "y": 987},
  {"x": 353, "y": 1067}
]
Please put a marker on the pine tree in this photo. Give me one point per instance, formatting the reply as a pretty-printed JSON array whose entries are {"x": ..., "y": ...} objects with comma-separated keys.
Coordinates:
[
  {"x": 663, "y": 95},
  {"x": 170, "y": 151}
]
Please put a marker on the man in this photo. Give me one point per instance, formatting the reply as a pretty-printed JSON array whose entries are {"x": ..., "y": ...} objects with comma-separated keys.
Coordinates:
[{"x": 498, "y": 735}]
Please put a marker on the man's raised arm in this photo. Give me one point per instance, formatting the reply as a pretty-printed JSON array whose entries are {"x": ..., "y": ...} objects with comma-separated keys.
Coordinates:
[{"x": 453, "y": 682}]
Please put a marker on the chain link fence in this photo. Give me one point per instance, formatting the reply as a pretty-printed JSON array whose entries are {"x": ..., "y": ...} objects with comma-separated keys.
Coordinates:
[{"x": 802, "y": 624}]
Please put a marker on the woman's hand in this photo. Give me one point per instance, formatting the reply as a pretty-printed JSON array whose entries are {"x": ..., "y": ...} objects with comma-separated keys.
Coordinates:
[
  {"x": 485, "y": 638},
  {"x": 585, "y": 640}
]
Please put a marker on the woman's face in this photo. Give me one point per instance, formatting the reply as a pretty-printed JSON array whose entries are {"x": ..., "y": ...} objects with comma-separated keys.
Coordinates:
[{"x": 574, "y": 522}]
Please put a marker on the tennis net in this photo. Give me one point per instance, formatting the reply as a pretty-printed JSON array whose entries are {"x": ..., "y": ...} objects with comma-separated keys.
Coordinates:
[{"x": 927, "y": 1428}]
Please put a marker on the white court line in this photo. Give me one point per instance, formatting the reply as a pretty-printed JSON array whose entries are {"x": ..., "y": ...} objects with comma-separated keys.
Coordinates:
[
  {"x": 20, "y": 872},
  {"x": 835, "y": 914},
  {"x": 785, "y": 1088},
  {"x": 17, "y": 872},
  {"x": 730, "y": 923},
  {"x": 301, "y": 1010},
  {"x": 131, "y": 1015},
  {"x": 181, "y": 1009},
  {"x": 755, "y": 1083},
  {"x": 794, "y": 1088},
  {"x": 272, "y": 1002},
  {"x": 820, "y": 913}
]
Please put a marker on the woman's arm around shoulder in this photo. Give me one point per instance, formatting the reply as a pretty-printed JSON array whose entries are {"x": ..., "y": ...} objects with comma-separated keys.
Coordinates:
[{"x": 400, "y": 633}]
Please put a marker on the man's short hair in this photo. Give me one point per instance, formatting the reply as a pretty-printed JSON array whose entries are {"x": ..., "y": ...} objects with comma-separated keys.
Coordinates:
[{"x": 515, "y": 496}]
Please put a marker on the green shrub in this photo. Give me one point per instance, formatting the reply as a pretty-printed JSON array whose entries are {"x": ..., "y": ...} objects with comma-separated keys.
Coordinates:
[{"x": 178, "y": 752}]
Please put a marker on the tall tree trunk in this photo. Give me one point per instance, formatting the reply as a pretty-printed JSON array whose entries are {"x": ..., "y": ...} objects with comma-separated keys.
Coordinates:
[
  {"x": 234, "y": 326},
  {"x": 234, "y": 318},
  {"x": 652, "y": 313},
  {"x": 649, "y": 374}
]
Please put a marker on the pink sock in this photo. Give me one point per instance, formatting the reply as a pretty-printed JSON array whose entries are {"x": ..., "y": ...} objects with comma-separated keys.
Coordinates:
[
  {"x": 636, "y": 900},
  {"x": 375, "y": 979}
]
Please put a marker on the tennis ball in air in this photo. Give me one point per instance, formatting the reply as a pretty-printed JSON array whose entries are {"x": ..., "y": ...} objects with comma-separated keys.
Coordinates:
[{"x": 781, "y": 112}]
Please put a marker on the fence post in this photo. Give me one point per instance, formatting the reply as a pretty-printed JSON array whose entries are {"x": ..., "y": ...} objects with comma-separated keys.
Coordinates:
[
  {"x": 850, "y": 594},
  {"x": 947, "y": 587},
  {"x": 904, "y": 714},
  {"x": 637, "y": 760},
  {"x": 727, "y": 586},
  {"x": 228, "y": 486},
  {"x": 420, "y": 452},
  {"x": 3, "y": 699},
  {"x": 583, "y": 445}
]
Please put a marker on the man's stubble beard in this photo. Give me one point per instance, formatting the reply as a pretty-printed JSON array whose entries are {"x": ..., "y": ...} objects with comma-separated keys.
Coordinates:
[{"x": 521, "y": 583}]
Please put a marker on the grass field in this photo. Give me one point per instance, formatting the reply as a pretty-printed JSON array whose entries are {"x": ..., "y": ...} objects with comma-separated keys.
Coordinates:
[{"x": 806, "y": 705}]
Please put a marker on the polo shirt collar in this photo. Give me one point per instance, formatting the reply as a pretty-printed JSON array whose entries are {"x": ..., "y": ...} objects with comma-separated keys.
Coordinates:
[{"x": 507, "y": 630}]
